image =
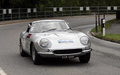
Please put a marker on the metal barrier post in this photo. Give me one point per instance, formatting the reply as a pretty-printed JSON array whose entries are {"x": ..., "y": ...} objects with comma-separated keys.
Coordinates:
[
  {"x": 81, "y": 9},
  {"x": 22, "y": 13},
  {"x": 45, "y": 12},
  {"x": 54, "y": 10},
  {"x": 71, "y": 10},
  {"x": 61, "y": 10},
  {"x": 28, "y": 11},
  {"x": 10, "y": 12},
  {"x": 96, "y": 22},
  {"x": 4, "y": 12},
  {"x": 98, "y": 16},
  {"x": 3, "y": 17},
  {"x": 103, "y": 27},
  {"x": 35, "y": 11},
  {"x": 19, "y": 13}
]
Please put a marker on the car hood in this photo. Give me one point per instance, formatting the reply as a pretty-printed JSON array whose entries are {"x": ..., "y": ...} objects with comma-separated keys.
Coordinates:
[{"x": 63, "y": 40}]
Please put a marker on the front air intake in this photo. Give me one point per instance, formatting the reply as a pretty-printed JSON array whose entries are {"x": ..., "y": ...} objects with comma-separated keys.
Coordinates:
[{"x": 67, "y": 51}]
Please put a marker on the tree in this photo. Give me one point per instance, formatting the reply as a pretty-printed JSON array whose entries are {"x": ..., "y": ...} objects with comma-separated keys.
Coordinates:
[{"x": 55, "y": 3}]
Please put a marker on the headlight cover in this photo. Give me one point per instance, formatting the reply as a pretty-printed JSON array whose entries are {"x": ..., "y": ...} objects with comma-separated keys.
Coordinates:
[
  {"x": 84, "y": 40},
  {"x": 45, "y": 43}
]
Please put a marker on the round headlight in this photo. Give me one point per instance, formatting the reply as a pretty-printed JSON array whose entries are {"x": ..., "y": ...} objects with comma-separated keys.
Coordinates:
[
  {"x": 45, "y": 43},
  {"x": 84, "y": 40}
]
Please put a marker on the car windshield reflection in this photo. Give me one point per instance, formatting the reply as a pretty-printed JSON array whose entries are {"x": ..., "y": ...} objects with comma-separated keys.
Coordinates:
[{"x": 49, "y": 26}]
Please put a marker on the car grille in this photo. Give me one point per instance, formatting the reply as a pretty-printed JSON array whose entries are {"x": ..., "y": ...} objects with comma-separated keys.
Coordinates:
[{"x": 67, "y": 51}]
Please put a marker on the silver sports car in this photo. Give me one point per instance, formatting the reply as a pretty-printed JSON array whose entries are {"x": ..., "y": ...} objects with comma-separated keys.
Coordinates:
[{"x": 54, "y": 38}]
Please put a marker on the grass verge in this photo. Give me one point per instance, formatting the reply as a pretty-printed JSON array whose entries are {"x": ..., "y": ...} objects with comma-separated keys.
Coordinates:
[
  {"x": 108, "y": 37},
  {"x": 107, "y": 25}
]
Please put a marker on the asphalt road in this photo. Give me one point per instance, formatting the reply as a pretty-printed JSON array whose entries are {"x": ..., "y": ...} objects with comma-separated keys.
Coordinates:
[{"x": 105, "y": 59}]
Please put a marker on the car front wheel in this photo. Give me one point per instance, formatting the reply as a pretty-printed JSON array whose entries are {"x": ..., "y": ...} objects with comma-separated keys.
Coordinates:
[
  {"x": 85, "y": 58},
  {"x": 35, "y": 57},
  {"x": 22, "y": 53}
]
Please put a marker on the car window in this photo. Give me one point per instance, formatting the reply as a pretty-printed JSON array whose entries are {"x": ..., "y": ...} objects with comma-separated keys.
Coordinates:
[{"x": 48, "y": 25}]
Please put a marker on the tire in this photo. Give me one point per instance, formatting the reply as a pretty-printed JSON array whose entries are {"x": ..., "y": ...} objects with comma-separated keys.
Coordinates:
[
  {"x": 35, "y": 57},
  {"x": 85, "y": 58},
  {"x": 22, "y": 52}
]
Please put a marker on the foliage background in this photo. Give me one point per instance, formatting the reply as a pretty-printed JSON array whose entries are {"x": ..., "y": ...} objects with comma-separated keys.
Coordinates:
[{"x": 55, "y": 3}]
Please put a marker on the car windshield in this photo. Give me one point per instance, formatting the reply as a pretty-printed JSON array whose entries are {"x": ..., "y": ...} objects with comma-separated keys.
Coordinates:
[{"x": 46, "y": 26}]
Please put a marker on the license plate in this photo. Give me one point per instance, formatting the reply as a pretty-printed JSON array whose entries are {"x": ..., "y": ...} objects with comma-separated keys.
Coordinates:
[
  {"x": 65, "y": 57},
  {"x": 70, "y": 56}
]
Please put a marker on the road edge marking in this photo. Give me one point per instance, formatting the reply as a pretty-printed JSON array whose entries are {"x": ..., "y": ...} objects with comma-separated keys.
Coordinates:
[
  {"x": 2, "y": 25},
  {"x": 2, "y": 72},
  {"x": 88, "y": 33}
]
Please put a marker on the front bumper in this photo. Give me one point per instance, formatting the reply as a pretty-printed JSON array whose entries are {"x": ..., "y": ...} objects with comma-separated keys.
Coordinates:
[{"x": 52, "y": 54}]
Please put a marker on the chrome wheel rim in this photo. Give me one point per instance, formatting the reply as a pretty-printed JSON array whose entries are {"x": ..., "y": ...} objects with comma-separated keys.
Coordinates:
[
  {"x": 20, "y": 49},
  {"x": 33, "y": 54}
]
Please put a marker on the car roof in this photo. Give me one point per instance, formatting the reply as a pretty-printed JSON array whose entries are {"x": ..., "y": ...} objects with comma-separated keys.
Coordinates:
[{"x": 47, "y": 20}]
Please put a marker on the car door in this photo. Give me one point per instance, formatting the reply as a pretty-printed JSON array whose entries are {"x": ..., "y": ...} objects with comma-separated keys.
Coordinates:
[{"x": 26, "y": 39}]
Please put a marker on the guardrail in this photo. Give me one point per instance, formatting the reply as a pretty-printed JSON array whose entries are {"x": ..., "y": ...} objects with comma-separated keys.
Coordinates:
[{"x": 28, "y": 13}]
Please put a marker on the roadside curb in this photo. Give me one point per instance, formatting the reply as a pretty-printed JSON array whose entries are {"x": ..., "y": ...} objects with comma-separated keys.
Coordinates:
[
  {"x": 16, "y": 21},
  {"x": 29, "y": 20},
  {"x": 109, "y": 40}
]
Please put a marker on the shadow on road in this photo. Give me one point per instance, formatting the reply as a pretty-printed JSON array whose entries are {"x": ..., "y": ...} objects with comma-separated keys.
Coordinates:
[
  {"x": 61, "y": 62},
  {"x": 56, "y": 62}
]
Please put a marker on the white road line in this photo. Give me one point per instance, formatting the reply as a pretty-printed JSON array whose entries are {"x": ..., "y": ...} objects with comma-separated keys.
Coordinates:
[{"x": 2, "y": 72}]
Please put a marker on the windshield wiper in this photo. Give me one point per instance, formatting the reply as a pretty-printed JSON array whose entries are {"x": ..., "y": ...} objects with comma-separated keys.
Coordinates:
[{"x": 50, "y": 30}]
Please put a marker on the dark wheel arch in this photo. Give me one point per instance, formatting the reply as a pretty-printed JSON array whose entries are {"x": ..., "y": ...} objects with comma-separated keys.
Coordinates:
[
  {"x": 31, "y": 48},
  {"x": 22, "y": 52},
  {"x": 35, "y": 56},
  {"x": 85, "y": 58}
]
